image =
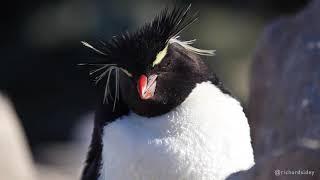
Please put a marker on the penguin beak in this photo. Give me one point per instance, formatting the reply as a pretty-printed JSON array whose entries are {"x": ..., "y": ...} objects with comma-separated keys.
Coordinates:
[{"x": 146, "y": 86}]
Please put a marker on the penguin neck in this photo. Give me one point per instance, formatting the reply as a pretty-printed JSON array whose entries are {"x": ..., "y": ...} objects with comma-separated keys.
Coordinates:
[{"x": 201, "y": 102}]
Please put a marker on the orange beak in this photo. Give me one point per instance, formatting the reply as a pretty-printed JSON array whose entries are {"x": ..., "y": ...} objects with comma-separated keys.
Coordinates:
[{"x": 146, "y": 86}]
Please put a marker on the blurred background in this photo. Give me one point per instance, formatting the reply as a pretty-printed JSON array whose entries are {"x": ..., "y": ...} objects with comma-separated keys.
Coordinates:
[{"x": 53, "y": 97}]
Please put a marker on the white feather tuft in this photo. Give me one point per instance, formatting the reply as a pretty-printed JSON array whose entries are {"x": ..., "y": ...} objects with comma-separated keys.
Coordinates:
[
  {"x": 187, "y": 45},
  {"x": 108, "y": 69},
  {"x": 93, "y": 48}
]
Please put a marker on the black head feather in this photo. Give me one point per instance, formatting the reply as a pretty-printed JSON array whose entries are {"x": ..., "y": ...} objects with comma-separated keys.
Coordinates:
[
  {"x": 130, "y": 55},
  {"x": 143, "y": 45}
]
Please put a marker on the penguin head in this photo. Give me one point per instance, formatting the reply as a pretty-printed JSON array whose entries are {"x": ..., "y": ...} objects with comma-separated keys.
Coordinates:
[{"x": 151, "y": 70}]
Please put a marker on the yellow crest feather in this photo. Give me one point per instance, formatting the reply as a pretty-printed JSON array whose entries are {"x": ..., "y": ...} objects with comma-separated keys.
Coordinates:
[{"x": 160, "y": 56}]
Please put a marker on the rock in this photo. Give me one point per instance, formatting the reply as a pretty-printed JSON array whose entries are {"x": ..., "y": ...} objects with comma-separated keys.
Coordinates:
[
  {"x": 15, "y": 158},
  {"x": 284, "y": 106},
  {"x": 293, "y": 163}
]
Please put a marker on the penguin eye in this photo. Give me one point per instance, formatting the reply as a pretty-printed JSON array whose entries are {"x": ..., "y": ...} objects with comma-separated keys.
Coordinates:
[{"x": 160, "y": 56}]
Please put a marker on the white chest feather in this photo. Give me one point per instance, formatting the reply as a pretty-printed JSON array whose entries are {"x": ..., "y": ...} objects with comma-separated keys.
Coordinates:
[{"x": 207, "y": 137}]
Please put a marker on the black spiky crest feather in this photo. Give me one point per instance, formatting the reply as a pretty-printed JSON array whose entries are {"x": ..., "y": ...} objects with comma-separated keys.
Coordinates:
[{"x": 148, "y": 40}]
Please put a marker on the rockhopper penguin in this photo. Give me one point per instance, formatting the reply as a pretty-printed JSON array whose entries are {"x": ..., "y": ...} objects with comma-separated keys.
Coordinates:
[{"x": 163, "y": 114}]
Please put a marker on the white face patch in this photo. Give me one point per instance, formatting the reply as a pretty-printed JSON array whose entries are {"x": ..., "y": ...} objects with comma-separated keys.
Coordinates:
[{"x": 160, "y": 56}]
